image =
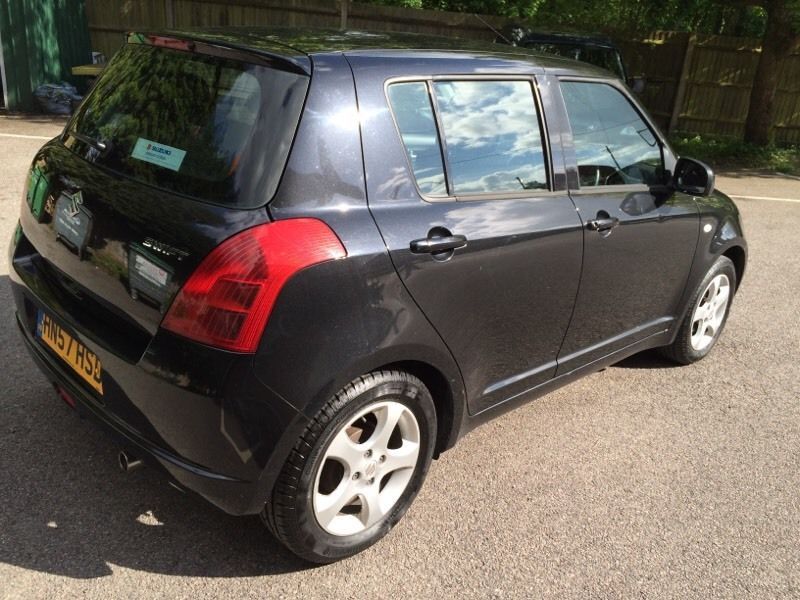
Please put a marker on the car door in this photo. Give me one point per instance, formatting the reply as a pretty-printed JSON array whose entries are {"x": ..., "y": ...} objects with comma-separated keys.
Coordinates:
[
  {"x": 639, "y": 238},
  {"x": 486, "y": 243}
]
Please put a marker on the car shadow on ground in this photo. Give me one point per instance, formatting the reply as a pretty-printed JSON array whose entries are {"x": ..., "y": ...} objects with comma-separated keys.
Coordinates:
[
  {"x": 649, "y": 359},
  {"x": 68, "y": 510}
]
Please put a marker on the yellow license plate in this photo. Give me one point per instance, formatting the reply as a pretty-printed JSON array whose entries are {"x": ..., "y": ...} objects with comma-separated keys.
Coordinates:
[{"x": 82, "y": 360}]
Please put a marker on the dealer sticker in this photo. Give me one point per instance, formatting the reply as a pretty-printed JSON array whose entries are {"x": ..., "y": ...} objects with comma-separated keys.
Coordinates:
[{"x": 158, "y": 154}]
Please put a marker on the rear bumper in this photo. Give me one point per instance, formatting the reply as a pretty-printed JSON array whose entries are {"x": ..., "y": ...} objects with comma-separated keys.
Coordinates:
[
  {"x": 200, "y": 416},
  {"x": 230, "y": 494}
]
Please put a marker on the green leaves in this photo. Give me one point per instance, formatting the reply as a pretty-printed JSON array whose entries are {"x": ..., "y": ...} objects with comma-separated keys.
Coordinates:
[{"x": 744, "y": 18}]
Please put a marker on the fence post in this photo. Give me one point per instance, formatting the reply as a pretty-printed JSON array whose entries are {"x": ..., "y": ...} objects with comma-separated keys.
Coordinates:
[
  {"x": 683, "y": 83},
  {"x": 344, "y": 5},
  {"x": 169, "y": 12}
]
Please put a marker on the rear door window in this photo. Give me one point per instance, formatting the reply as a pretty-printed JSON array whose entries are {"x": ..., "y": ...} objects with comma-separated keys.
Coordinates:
[
  {"x": 492, "y": 136},
  {"x": 491, "y": 132},
  {"x": 204, "y": 126},
  {"x": 613, "y": 144}
]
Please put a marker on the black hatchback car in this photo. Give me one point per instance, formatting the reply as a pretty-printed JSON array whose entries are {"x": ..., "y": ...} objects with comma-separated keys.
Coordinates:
[{"x": 291, "y": 269}]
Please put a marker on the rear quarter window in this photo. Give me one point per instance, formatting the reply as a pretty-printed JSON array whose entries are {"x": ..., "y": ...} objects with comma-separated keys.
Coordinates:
[
  {"x": 414, "y": 116},
  {"x": 215, "y": 129}
]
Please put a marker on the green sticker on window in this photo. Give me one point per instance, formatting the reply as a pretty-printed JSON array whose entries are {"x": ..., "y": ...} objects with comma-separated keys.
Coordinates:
[{"x": 158, "y": 154}]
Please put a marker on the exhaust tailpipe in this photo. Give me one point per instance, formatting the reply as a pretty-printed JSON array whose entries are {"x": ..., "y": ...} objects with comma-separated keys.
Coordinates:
[{"x": 127, "y": 462}]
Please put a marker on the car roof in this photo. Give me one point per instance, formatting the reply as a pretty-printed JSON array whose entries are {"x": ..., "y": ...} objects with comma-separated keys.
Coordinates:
[{"x": 297, "y": 44}]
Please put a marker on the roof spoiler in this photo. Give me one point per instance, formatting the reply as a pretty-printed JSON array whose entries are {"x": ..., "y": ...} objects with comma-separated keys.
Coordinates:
[{"x": 188, "y": 43}]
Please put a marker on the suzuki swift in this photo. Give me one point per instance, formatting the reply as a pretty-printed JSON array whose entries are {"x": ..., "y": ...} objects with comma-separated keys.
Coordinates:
[{"x": 289, "y": 269}]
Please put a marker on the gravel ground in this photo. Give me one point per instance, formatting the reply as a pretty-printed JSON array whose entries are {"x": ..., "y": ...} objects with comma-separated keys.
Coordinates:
[{"x": 644, "y": 480}]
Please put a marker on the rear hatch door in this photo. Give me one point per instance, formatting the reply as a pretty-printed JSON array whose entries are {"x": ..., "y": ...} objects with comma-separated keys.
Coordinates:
[{"x": 178, "y": 146}]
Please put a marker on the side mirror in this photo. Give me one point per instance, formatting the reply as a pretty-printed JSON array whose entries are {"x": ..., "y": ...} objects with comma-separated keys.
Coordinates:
[
  {"x": 693, "y": 177},
  {"x": 636, "y": 84}
]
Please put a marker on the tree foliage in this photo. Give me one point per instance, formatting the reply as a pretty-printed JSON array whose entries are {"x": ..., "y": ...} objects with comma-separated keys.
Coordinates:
[
  {"x": 777, "y": 22},
  {"x": 707, "y": 16},
  {"x": 781, "y": 38}
]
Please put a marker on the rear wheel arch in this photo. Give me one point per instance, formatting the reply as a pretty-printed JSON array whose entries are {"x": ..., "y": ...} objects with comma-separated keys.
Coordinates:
[
  {"x": 449, "y": 408},
  {"x": 448, "y": 398}
]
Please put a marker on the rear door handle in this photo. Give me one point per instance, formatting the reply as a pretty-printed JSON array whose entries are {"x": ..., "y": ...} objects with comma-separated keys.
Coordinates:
[
  {"x": 432, "y": 245},
  {"x": 605, "y": 224}
]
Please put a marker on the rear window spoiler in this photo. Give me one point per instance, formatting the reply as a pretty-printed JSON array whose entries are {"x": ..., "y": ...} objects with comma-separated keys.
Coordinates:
[{"x": 283, "y": 57}]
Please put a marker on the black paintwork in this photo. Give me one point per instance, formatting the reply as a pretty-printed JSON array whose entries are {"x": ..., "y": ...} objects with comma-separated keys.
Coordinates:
[{"x": 534, "y": 300}]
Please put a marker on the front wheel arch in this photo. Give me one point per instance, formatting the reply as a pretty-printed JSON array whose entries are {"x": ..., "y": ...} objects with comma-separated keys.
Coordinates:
[{"x": 738, "y": 257}]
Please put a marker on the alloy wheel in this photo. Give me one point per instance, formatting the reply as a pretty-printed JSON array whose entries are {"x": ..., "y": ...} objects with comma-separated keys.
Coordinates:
[
  {"x": 366, "y": 468},
  {"x": 710, "y": 312}
]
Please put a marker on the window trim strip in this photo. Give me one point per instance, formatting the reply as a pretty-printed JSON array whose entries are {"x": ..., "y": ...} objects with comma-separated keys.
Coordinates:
[{"x": 437, "y": 119}]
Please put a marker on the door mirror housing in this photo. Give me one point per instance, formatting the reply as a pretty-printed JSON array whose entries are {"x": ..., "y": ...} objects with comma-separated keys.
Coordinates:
[{"x": 693, "y": 177}]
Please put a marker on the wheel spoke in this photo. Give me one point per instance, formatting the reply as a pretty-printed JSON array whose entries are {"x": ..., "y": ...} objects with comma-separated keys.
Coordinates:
[
  {"x": 711, "y": 292},
  {"x": 344, "y": 450},
  {"x": 388, "y": 417},
  {"x": 330, "y": 505},
  {"x": 371, "y": 509},
  {"x": 721, "y": 299},
  {"x": 701, "y": 312},
  {"x": 404, "y": 457}
]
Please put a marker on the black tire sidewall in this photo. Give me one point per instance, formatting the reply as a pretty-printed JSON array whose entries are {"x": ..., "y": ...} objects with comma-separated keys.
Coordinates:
[{"x": 326, "y": 547}]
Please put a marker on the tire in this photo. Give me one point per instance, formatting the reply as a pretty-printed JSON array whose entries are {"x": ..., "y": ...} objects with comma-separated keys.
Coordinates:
[
  {"x": 701, "y": 327},
  {"x": 353, "y": 473}
]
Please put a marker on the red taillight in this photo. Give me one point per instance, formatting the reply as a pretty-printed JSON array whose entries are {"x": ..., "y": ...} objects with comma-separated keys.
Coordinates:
[{"x": 226, "y": 302}]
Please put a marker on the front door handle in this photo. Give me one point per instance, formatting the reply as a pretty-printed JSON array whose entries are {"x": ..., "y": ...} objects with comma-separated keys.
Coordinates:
[
  {"x": 434, "y": 245},
  {"x": 604, "y": 224}
]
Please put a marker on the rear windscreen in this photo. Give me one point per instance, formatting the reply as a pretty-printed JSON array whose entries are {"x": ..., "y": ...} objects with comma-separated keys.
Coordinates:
[{"x": 203, "y": 126}]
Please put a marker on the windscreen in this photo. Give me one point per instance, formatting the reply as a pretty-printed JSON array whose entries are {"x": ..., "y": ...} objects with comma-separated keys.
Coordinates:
[{"x": 212, "y": 128}]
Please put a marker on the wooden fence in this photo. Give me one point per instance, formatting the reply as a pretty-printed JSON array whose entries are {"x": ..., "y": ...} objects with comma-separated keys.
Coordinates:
[
  {"x": 109, "y": 19},
  {"x": 695, "y": 83},
  {"x": 702, "y": 83}
]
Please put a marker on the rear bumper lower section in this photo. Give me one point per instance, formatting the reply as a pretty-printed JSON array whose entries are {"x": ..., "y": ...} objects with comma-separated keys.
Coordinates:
[
  {"x": 229, "y": 494},
  {"x": 199, "y": 415}
]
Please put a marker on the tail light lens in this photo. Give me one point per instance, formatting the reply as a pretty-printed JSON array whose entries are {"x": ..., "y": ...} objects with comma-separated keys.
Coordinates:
[{"x": 227, "y": 301}]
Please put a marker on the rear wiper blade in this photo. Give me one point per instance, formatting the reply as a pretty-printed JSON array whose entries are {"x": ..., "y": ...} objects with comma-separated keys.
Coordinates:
[{"x": 97, "y": 144}]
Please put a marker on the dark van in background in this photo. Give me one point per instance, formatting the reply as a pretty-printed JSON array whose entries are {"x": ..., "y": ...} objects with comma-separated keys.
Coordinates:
[{"x": 593, "y": 49}]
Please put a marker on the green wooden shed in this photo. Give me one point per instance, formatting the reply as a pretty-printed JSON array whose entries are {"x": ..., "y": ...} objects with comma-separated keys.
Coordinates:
[{"x": 40, "y": 42}]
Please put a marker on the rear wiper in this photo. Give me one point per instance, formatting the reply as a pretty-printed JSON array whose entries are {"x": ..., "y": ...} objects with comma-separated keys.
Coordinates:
[{"x": 96, "y": 144}]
